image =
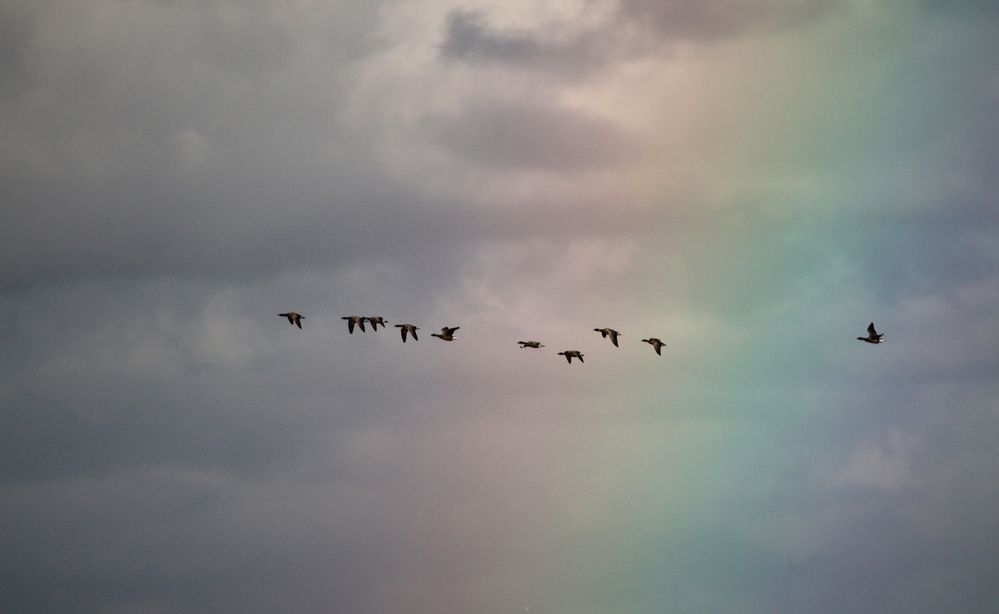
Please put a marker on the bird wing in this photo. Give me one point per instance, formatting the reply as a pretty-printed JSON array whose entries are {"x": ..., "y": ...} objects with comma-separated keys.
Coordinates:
[
  {"x": 414, "y": 334},
  {"x": 580, "y": 357},
  {"x": 298, "y": 323},
  {"x": 659, "y": 348},
  {"x": 613, "y": 336},
  {"x": 871, "y": 331}
]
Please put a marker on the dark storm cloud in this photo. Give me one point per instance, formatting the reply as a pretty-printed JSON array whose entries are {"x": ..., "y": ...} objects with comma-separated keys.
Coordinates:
[
  {"x": 469, "y": 36},
  {"x": 636, "y": 27},
  {"x": 198, "y": 156}
]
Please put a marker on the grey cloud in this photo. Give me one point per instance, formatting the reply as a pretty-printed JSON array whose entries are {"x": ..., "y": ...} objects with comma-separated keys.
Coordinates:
[
  {"x": 168, "y": 443},
  {"x": 712, "y": 19},
  {"x": 468, "y": 36},
  {"x": 16, "y": 31},
  {"x": 637, "y": 27},
  {"x": 532, "y": 134}
]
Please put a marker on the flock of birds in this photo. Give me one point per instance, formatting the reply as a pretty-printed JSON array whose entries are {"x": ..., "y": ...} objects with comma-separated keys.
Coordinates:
[{"x": 447, "y": 333}]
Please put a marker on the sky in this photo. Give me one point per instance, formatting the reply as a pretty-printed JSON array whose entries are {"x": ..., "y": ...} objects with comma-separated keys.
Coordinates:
[{"x": 752, "y": 181}]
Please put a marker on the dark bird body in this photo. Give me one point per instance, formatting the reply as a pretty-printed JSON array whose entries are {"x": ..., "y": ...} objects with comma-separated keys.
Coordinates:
[
  {"x": 376, "y": 321},
  {"x": 570, "y": 354},
  {"x": 408, "y": 328},
  {"x": 446, "y": 334},
  {"x": 295, "y": 319},
  {"x": 354, "y": 321},
  {"x": 609, "y": 332},
  {"x": 872, "y": 335},
  {"x": 656, "y": 343}
]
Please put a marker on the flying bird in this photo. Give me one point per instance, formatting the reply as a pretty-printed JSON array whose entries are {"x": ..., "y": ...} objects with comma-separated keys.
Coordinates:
[
  {"x": 656, "y": 343},
  {"x": 376, "y": 321},
  {"x": 570, "y": 354},
  {"x": 446, "y": 334},
  {"x": 295, "y": 319},
  {"x": 354, "y": 320},
  {"x": 609, "y": 332},
  {"x": 408, "y": 328},
  {"x": 531, "y": 344},
  {"x": 872, "y": 335}
]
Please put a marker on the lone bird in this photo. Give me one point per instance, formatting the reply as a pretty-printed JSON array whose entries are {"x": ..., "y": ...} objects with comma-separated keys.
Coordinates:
[
  {"x": 376, "y": 321},
  {"x": 872, "y": 335},
  {"x": 295, "y": 319},
  {"x": 656, "y": 343},
  {"x": 446, "y": 334},
  {"x": 408, "y": 328},
  {"x": 570, "y": 354},
  {"x": 354, "y": 320},
  {"x": 531, "y": 344},
  {"x": 609, "y": 332}
]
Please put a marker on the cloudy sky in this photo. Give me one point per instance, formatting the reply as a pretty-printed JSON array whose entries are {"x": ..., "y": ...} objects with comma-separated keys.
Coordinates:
[{"x": 753, "y": 181}]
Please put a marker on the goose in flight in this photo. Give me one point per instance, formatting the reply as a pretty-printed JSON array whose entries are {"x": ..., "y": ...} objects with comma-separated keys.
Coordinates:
[
  {"x": 376, "y": 321},
  {"x": 446, "y": 334},
  {"x": 408, "y": 328},
  {"x": 354, "y": 320},
  {"x": 570, "y": 354},
  {"x": 295, "y": 319},
  {"x": 531, "y": 344},
  {"x": 609, "y": 332},
  {"x": 872, "y": 335},
  {"x": 656, "y": 343}
]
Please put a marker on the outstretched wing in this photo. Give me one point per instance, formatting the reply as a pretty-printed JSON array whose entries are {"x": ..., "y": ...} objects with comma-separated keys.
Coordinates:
[{"x": 871, "y": 331}]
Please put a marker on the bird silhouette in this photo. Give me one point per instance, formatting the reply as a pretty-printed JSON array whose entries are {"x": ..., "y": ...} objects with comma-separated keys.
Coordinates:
[
  {"x": 531, "y": 344},
  {"x": 354, "y": 320},
  {"x": 872, "y": 335},
  {"x": 655, "y": 343},
  {"x": 609, "y": 332},
  {"x": 570, "y": 354},
  {"x": 408, "y": 328},
  {"x": 446, "y": 334},
  {"x": 376, "y": 321},
  {"x": 295, "y": 319}
]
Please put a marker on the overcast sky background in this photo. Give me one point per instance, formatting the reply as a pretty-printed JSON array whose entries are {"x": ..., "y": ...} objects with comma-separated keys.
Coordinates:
[{"x": 752, "y": 182}]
